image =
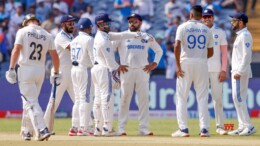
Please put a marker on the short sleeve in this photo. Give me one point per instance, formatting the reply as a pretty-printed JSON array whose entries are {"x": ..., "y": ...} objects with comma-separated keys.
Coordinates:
[
  {"x": 19, "y": 37},
  {"x": 223, "y": 38},
  {"x": 179, "y": 34}
]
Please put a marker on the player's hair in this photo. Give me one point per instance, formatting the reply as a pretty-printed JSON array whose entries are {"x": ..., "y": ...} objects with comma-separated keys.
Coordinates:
[{"x": 196, "y": 11}]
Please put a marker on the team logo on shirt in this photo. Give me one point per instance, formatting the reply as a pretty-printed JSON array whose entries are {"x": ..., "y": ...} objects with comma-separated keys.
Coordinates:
[
  {"x": 144, "y": 41},
  {"x": 247, "y": 45},
  {"x": 216, "y": 36},
  {"x": 128, "y": 41},
  {"x": 216, "y": 43},
  {"x": 108, "y": 49}
]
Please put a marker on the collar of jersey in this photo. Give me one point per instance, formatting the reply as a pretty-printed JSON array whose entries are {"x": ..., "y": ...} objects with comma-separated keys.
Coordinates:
[
  {"x": 104, "y": 34},
  {"x": 83, "y": 33},
  {"x": 67, "y": 35},
  {"x": 240, "y": 31}
]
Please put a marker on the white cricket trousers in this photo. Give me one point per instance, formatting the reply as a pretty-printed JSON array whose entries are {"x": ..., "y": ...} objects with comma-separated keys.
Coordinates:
[
  {"x": 30, "y": 79},
  {"x": 66, "y": 85},
  {"x": 216, "y": 93},
  {"x": 134, "y": 80},
  {"x": 103, "y": 101},
  {"x": 83, "y": 89},
  {"x": 195, "y": 72},
  {"x": 239, "y": 94}
]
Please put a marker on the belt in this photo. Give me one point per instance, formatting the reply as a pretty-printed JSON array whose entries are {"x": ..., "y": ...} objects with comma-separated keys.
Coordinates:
[
  {"x": 96, "y": 63},
  {"x": 75, "y": 63}
]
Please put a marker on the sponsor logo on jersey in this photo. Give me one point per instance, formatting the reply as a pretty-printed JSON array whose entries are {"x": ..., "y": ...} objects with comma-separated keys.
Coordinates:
[
  {"x": 135, "y": 47},
  {"x": 108, "y": 49}
]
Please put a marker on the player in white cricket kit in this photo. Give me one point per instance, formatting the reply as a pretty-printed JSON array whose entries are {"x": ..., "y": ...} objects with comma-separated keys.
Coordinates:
[
  {"x": 241, "y": 72},
  {"x": 217, "y": 65},
  {"x": 134, "y": 53},
  {"x": 102, "y": 77},
  {"x": 62, "y": 44},
  {"x": 193, "y": 45},
  {"x": 82, "y": 61},
  {"x": 31, "y": 46}
]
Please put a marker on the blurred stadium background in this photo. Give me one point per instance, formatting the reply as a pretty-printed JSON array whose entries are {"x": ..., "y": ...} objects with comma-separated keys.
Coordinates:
[{"x": 157, "y": 21}]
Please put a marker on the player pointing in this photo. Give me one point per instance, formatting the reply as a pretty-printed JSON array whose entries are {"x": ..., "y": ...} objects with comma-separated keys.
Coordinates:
[
  {"x": 31, "y": 45},
  {"x": 217, "y": 65},
  {"x": 193, "y": 45}
]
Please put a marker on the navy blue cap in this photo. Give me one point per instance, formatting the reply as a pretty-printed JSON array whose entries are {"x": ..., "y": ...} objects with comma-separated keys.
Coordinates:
[
  {"x": 240, "y": 16},
  {"x": 84, "y": 23},
  {"x": 102, "y": 17},
  {"x": 208, "y": 12},
  {"x": 67, "y": 18},
  {"x": 134, "y": 15}
]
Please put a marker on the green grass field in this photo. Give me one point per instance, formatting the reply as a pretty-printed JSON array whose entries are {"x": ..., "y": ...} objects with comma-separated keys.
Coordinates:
[{"x": 162, "y": 129}]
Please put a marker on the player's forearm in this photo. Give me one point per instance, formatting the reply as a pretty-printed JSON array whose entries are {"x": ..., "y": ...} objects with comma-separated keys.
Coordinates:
[
  {"x": 15, "y": 55},
  {"x": 177, "y": 52},
  {"x": 224, "y": 57},
  {"x": 114, "y": 36},
  {"x": 55, "y": 60}
]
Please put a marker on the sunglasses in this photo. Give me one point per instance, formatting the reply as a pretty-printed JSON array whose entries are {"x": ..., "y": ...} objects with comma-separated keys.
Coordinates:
[
  {"x": 235, "y": 20},
  {"x": 133, "y": 22}
]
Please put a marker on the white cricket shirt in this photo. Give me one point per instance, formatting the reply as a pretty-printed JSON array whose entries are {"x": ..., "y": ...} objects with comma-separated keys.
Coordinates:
[
  {"x": 36, "y": 43},
  {"x": 195, "y": 39},
  {"x": 242, "y": 53},
  {"x": 81, "y": 50}
]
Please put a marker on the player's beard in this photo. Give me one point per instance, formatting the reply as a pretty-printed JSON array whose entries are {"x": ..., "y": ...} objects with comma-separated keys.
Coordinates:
[
  {"x": 134, "y": 28},
  {"x": 235, "y": 27},
  {"x": 68, "y": 30},
  {"x": 106, "y": 29}
]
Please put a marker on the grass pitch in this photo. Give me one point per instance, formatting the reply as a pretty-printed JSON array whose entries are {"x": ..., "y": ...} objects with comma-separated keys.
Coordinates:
[{"x": 162, "y": 128}]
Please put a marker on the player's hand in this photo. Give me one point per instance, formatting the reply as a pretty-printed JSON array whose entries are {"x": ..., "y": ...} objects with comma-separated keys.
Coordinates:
[
  {"x": 237, "y": 76},
  {"x": 150, "y": 67},
  {"x": 57, "y": 78},
  {"x": 222, "y": 76},
  {"x": 10, "y": 76},
  {"x": 116, "y": 80},
  {"x": 122, "y": 68},
  {"x": 179, "y": 72}
]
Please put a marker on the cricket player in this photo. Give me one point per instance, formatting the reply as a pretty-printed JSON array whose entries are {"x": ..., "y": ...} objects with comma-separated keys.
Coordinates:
[
  {"x": 241, "y": 72},
  {"x": 217, "y": 65},
  {"x": 193, "y": 46},
  {"x": 31, "y": 46},
  {"x": 82, "y": 61},
  {"x": 134, "y": 53},
  {"x": 62, "y": 44},
  {"x": 104, "y": 71}
]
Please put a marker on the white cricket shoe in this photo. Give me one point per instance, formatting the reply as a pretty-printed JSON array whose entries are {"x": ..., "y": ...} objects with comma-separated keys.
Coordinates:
[
  {"x": 221, "y": 131},
  {"x": 44, "y": 135},
  {"x": 204, "y": 133},
  {"x": 121, "y": 133},
  {"x": 235, "y": 132},
  {"x": 181, "y": 133},
  {"x": 145, "y": 132},
  {"x": 97, "y": 132},
  {"x": 26, "y": 136},
  {"x": 107, "y": 133},
  {"x": 248, "y": 131}
]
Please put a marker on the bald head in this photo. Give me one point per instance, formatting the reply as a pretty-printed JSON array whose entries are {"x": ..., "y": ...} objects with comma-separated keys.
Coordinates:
[{"x": 196, "y": 12}]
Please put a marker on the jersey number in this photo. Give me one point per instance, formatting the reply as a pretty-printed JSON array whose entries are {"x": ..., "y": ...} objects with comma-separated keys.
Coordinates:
[
  {"x": 192, "y": 40},
  {"x": 37, "y": 49},
  {"x": 75, "y": 53}
]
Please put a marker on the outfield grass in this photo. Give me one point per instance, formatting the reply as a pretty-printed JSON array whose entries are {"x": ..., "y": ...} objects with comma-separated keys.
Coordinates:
[{"x": 160, "y": 127}]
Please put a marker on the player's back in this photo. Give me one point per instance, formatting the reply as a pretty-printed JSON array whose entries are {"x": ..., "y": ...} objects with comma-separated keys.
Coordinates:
[
  {"x": 36, "y": 42},
  {"x": 195, "y": 39},
  {"x": 80, "y": 48}
]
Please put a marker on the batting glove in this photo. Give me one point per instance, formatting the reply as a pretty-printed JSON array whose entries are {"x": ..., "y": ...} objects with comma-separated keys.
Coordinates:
[
  {"x": 10, "y": 76},
  {"x": 57, "y": 78}
]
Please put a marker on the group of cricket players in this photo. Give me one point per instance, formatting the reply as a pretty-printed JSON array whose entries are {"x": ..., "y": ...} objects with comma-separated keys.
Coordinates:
[{"x": 85, "y": 67}]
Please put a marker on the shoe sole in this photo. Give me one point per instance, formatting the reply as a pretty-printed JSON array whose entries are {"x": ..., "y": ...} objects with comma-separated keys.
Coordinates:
[
  {"x": 149, "y": 134},
  {"x": 204, "y": 135},
  {"x": 72, "y": 134},
  {"x": 46, "y": 137}
]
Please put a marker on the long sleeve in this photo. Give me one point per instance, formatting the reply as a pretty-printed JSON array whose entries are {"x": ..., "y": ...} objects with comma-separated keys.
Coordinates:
[
  {"x": 114, "y": 36},
  {"x": 246, "y": 53},
  {"x": 109, "y": 57},
  {"x": 157, "y": 50}
]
